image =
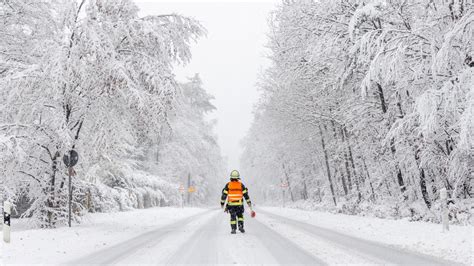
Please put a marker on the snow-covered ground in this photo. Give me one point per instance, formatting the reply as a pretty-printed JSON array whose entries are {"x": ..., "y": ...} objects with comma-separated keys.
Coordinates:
[
  {"x": 98, "y": 231},
  {"x": 201, "y": 236},
  {"x": 422, "y": 237}
]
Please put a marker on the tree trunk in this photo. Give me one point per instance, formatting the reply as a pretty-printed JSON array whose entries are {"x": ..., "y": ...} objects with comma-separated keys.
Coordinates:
[
  {"x": 343, "y": 179},
  {"x": 318, "y": 183},
  {"x": 348, "y": 171},
  {"x": 354, "y": 170},
  {"x": 372, "y": 196},
  {"x": 328, "y": 170},
  {"x": 305, "y": 189},
  {"x": 383, "y": 105},
  {"x": 51, "y": 217},
  {"x": 400, "y": 181},
  {"x": 288, "y": 182},
  {"x": 344, "y": 185},
  {"x": 346, "y": 160},
  {"x": 424, "y": 190},
  {"x": 388, "y": 187}
]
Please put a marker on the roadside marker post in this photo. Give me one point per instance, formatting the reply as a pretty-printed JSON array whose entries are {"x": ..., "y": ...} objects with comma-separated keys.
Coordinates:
[
  {"x": 7, "y": 211},
  {"x": 443, "y": 194}
]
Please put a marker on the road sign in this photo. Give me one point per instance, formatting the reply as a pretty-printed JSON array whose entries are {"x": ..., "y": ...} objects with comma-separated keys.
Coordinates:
[
  {"x": 284, "y": 185},
  {"x": 191, "y": 189},
  {"x": 70, "y": 158},
  {"x": 181, "y": 189}
]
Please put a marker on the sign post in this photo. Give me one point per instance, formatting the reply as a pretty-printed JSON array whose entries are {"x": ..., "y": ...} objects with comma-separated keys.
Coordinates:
[
  {"x": 188, "y": 201},
  {"x": 443, "y": 194},
  {"x": 191, "y": 190},
  {"x": 7, "y": 211},
  {"x": 70, "y": 159},
  {"x": 182, "y": 190},
  {"x": 283, "y": 198}
]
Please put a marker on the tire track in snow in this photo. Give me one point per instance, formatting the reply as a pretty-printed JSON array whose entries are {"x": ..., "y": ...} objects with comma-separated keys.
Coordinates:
[
  {"x": 198, "y": 249},
  {"x": 373, "y": 249},
  {"x": 285, "y": 250},
  {"x": 213, "y": 244},
  {"x": 330, "y": 253},
  {"x": 120, "y": 251}
]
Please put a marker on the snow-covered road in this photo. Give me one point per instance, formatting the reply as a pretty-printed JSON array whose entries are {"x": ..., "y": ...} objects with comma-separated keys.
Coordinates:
[
  {"x": 213, "y": 244},
  {"x": 204, "y": 238}
]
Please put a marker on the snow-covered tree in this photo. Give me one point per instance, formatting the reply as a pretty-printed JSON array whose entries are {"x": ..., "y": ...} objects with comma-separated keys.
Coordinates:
[
  {"x": 368, "y": 102},
  {"x": 191, "y": 147},
  {"x": 95, "y": 77}
]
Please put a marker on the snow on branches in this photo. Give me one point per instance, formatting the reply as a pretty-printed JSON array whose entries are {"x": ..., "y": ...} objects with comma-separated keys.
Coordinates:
[
  {"x": 91, "y": 76},
  {"x": 367, "y": 107}
]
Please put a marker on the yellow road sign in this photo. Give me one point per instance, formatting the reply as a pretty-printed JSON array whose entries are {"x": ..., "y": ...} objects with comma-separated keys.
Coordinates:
[{"x": 191, "y": 189}]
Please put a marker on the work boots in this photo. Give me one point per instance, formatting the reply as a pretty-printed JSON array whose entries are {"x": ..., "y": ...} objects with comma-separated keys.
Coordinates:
[
  {"x": 241, "y": 228},
  {"x": 234, "y": 228}
]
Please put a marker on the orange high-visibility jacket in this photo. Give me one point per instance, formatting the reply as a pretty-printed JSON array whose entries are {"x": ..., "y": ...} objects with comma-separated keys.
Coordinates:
[{"x": 234, "y": 191}]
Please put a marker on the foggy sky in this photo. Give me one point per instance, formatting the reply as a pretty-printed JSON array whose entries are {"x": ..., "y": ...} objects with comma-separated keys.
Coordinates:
[{"x": 229, "y": 60}]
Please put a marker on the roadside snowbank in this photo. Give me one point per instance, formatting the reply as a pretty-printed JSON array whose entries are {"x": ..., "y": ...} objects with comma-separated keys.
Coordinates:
[
  {"x": 97, "y": 231},
  {"x": 460, "y": 212},
  {"x": 422, "y": 237}
]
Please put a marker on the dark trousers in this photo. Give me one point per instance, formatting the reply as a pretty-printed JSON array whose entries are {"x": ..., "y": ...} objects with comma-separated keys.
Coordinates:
[{"x": 236, "y": 216}]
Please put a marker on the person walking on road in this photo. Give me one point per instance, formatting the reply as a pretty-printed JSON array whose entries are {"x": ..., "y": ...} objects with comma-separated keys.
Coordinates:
[{"x": 235, "y": 192}]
